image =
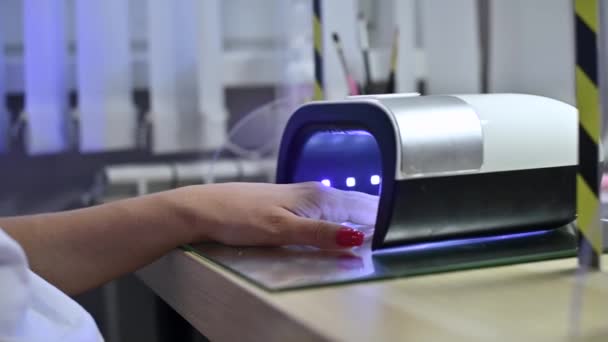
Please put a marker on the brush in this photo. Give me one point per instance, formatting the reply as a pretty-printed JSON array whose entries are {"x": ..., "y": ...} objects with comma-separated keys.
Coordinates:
[
  {"x": 390, "y": 85},
  {"x": 364, "y": 44},
  {"x": 353, "y": 87}
]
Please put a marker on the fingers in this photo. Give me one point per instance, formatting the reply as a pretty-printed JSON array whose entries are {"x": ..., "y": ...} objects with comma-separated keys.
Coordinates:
[
  {"x": 352, "y": 206},
  {"x": 322, "y": 234},
  {"x": 360, "y": 208}
]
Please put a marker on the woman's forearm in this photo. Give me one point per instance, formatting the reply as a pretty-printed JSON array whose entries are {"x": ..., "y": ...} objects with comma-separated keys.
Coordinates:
[{"x": 81, "y": 249}]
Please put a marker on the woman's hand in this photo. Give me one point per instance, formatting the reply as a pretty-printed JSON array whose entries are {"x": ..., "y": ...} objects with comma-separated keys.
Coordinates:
[
  {"x": 81, "y": 249},
  {"x": 272, "y": 215}
]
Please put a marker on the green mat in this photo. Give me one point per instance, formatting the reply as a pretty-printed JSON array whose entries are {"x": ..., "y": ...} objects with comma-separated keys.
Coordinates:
[{"x": 296, "y": 267}]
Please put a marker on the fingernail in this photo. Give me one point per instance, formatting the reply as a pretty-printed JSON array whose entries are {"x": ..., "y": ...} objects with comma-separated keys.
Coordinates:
[{"x": 348, "y": 237}]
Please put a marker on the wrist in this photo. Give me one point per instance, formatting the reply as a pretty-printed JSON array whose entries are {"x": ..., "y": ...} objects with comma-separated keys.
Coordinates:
[{"x": 190, "y": 209}]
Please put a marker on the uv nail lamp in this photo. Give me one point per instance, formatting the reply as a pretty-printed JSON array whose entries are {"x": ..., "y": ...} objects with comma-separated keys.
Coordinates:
[{"x": 446, "y": 167}]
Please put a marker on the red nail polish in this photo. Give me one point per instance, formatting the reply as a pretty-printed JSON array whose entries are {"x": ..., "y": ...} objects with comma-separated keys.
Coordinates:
[{"x": 348, "y": 237}]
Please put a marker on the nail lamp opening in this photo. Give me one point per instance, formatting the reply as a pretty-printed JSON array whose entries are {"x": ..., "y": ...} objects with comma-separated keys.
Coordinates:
[{"x": 445, "y": 167}]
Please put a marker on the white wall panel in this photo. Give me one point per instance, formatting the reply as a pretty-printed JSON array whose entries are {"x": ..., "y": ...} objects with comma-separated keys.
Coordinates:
[
  {"x": 450, "y": 31},
  {"x": 210, "y": 54},
  {"x": 107, "y": 115},
  {"x": 45, "y": 71},
  {"x": 172, "y": 55},
  {"x": 531, "y": 48}
]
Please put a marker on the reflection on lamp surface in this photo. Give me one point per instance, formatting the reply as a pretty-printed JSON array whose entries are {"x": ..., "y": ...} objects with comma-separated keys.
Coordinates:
[{"x": 459, "y": 242}]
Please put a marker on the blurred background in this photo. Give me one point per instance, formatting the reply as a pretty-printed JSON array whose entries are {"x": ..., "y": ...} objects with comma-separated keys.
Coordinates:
[{"x": 116, "y": 98}]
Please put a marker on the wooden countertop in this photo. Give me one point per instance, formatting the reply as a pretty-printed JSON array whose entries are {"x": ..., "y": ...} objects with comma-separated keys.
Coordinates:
[{"x": 526, "y": 302}]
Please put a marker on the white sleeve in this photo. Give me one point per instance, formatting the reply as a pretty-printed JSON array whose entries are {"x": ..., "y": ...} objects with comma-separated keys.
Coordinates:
[{"x": 31, "y": 309}]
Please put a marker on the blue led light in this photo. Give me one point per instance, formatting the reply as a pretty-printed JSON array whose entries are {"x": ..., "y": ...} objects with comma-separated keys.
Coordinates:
[
  {"x": 351, "y": 181},
  {"x": 458, "y": 242},
  {"x": 375, "y": 180},
  {"x": 331, "y": 157}
]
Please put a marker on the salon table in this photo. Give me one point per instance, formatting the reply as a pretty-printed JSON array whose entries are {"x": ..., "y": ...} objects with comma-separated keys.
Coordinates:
[{"x": 539, "y": 301}]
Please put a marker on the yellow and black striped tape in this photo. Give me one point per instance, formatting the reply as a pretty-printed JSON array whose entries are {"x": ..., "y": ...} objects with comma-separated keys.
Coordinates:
[
  {"x": 588, "y": 103},
  {"x": 317, "y": 35}
]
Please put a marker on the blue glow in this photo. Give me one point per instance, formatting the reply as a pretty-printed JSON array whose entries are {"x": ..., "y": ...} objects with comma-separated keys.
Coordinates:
[
  {"x": 351, "y": 181},
  {"x": 375, "y": 180},
  {"x": 458, "y": 242},
  {"x": 326, "y": 182},
  {"x": 336, "y": 155},
  {"x": 351, "y": 132}
]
